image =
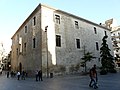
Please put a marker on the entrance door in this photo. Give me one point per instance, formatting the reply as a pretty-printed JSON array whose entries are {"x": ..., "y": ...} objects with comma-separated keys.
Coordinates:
[{"x": 20, "y": 67}]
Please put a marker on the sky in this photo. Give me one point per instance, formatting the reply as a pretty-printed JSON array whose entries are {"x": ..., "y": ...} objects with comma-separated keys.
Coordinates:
[{"x": 14, "y": 12}]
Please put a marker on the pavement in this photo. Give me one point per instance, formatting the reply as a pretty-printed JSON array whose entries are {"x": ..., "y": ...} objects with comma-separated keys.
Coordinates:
[{"x": 67, "y": 82}]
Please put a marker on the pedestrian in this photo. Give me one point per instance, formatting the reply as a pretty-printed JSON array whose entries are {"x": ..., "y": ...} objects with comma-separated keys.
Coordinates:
[
  {"x": 14, "y": 73},
  {"x": 11, "y": 73},
  {"x": 23, "y": 75},
  {"x": 40, "y": 75},
  {"x": 7, "y": 74},
  {"x": 18, "y": 75},
  {"x": 36, "y": 75},
  {"x": 93, "y": 76}
]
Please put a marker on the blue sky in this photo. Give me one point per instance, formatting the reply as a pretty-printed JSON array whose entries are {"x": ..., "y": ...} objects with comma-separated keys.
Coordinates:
[{"x": 14, "y": 12}]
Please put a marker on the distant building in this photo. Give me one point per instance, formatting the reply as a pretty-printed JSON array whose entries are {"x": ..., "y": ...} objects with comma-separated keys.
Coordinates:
[
  {"x": 54, "y": 41},
  {"x": 2, "y": 55},
  {"x": 115, "y": 33},
  {"x": 7, "y": 62}
]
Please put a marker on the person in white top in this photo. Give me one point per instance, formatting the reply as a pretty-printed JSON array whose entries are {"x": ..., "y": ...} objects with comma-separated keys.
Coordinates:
[{"x": 18, "y": 75}]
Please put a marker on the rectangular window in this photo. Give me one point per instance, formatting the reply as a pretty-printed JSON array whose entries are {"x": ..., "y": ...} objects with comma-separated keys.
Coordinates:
[
  {"x": 17, "y": 51},
  {"x": 18, "y": 37},
  {"x": 25, "y": 47},
  {"x": 78, "y": 43},
  {"x": 58, "y": 40},
  {"x": 20, "y": 44},
  {"x": 34, "y": 21},
  {"x": 95, "y": 31},
  {"x": 57, "y": 19},
  {"x": 76, "y": 25},
  {"x": 33, "y": 42},
  {"x": 25, "y": 29},
  {"x": 97, "y": 46}
]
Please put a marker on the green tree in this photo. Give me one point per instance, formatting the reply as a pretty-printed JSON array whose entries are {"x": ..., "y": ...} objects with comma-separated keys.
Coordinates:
[
  {"x": 106, "y": 57},
  {"x": 87, "y": 57}
]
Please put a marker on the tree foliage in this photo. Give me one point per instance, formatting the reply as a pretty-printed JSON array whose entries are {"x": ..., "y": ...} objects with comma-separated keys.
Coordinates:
[
  {"x": 106, "y": 57},
  {"x": 87, "y": 57}
]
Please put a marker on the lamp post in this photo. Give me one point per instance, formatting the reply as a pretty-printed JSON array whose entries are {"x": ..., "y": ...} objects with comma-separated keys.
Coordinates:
[{"x": 47, "y": 51}]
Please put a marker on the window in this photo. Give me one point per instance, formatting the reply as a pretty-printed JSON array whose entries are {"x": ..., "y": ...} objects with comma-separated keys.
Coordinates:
[
  {"x": 20, "y": 44},
  {"x": 76, "y": 25},
  {"x": 17, "y": 51},
  {"x": 25, "y": 29},
  {"x": 95, "y": 31},
  {"x": 25, "y": 47},
  {"x": 78, "y": 43},
  {"x": 18, "y": 37},
  {"x": 57, "y": 19},
  {"x": 58, "y": 40},
  {"x": 34, "y": 21},
  {"x": 33, "y": 42},
  {"x": 97, "y": 47}
]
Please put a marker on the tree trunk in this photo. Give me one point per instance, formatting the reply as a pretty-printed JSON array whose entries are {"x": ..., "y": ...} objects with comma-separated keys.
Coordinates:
[{"x": 85, "y": 68}]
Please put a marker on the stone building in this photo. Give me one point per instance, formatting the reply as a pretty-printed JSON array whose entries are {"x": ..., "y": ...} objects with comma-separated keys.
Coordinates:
[
  {"x": 53, "y": 40},
  {"x": 115, "y": 33}
]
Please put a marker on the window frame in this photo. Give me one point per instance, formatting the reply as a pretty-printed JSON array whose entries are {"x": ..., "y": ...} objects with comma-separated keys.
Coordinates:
[
  {"x": 26, "y": 28},
  {"x": 25, "y": 47},
  {"x": 34, "y": 42},
  {"x": 57, "y": 18},
  {"x": 58, "y": 40},
  {"x": 95, "y": 30},
  {"x": 34, "y": 20},
  {"x": 76, "y": 24},
  {"x": 78, "y": 46},
  {"x": 97, "y": 46}
]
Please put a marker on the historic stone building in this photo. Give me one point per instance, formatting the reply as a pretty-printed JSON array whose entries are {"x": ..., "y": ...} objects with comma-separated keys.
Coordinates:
[{"x": 54, "y": 41}]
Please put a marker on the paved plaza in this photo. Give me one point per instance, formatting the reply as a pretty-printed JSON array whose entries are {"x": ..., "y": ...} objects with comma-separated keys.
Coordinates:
[{"x": 68, "y": 82}]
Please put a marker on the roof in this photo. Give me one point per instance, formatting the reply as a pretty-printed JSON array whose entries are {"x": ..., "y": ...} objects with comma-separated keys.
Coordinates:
[
  {"x": 29, "y": 17},
  {"x": 39, "y": 6},
  {"x": 85, "y": 20}
]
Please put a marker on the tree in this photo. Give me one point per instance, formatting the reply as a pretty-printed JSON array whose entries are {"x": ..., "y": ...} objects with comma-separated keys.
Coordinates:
[
  {"x": 106, "y": 57},
  {"x": 87, "y": 57}
]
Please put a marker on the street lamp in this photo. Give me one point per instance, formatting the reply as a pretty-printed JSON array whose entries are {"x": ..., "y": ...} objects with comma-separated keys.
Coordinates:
[{"x": 47, "y": 52}]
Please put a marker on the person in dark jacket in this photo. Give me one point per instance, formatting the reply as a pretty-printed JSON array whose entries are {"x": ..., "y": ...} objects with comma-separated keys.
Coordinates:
[
  {"x": 40, "y": 75},
  {"x": 23, "y": 75},
  {"x": 8, "y": 74}
]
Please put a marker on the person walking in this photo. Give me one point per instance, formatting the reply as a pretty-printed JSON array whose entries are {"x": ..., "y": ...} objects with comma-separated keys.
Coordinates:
[
  {"x": 40, "y": 75},
  {"x": 7, "y": 74},
  {"x": 23, "y": 75},
  {"x": 11, "y": 73},
  {"x": 18, "y": 75},
  {"x": 93, "y": 76},
  {"x": 36, "y": 75}
]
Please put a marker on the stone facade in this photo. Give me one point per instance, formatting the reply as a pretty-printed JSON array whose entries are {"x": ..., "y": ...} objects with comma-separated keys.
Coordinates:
[{"x": 66, "y": 37}]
